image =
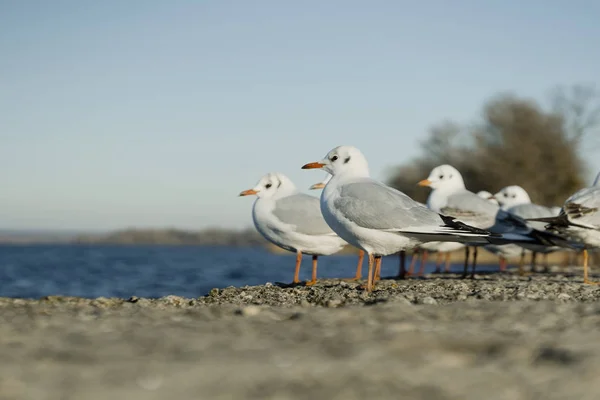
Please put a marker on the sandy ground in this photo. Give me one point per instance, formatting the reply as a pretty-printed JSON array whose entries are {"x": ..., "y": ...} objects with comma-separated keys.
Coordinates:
[{"x": 496, "y": 337}]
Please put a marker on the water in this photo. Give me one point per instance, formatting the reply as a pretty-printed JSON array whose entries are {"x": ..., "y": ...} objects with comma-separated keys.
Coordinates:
[{"x": 155, "y": 271}]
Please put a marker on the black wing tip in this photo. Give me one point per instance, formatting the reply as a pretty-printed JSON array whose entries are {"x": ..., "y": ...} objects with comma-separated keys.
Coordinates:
[{"x": 451, "y": 222}]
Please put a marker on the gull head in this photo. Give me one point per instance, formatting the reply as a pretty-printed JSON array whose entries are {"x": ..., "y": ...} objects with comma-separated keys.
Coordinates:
[
  {"x": 511, "y": 196},
  {"x": 321, "y": 184},
  {"x": 343, "y": 160},
  {"x": 484, "y": 194},
  {"x": 444, "y": 177},
  {"x": 272, "y": 185}
]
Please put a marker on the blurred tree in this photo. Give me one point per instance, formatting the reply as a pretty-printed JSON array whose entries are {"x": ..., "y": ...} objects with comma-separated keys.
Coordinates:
[{"x": 515, "y": 143}]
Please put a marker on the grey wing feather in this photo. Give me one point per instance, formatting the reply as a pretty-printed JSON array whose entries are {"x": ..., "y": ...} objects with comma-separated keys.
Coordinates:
[
  {"x": 373, "y": 205},
  {"x": 530, "y": 210},
  {"x": 583, "y": 207},
  {"x": 304, "y": 212},
  {"x": 471, "y": 209}
]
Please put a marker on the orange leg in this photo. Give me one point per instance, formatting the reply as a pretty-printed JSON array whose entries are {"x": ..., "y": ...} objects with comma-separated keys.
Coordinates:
[
  {"x": 298, "y": 262},
  {"x": 447, "y": 266},
  {"x": 361, "y": 257},
  {"x": 423, "y": 262},
  {"x": 377, "y": 276},
  {"x": 314, "y": 272},
  {"x": 585, "y": 269},
  {"x": 413, "y": 260},
  {"x": 438, "y": 262},
  {"x": 369, "y": 286},
  {"x": 502, "y": 263}
]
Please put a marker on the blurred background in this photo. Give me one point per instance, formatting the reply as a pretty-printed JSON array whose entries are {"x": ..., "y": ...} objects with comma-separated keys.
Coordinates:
[{"x": 129, "y": 128}]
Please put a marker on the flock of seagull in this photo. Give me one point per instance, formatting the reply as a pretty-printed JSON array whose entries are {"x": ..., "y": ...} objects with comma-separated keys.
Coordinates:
[{"x": 379, "y": 220}]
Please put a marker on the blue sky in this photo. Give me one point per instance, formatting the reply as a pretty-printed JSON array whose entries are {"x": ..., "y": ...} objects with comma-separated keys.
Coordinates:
[{"x": 158, "y": 113}]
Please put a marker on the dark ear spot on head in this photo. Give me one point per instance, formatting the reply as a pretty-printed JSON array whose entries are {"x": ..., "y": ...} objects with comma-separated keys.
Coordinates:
[
  {"x": 346, "y": 160},
  {"x": 279, "y": 185}
]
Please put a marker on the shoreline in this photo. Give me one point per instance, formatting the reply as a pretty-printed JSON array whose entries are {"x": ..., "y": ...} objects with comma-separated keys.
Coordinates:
[{"x": 495, "y": 337}]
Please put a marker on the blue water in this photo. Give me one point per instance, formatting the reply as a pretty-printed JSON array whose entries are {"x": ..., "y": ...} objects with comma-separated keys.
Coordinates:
[{"x": 155, "y": 271}]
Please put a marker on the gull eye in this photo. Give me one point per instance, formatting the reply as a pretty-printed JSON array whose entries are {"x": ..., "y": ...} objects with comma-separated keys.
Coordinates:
[
  {"x": 514, "y": 195},
  {"x": 334, "y": 158},
  {"x": 441, "y": 176},
  {"x": 505, "y": 195},
  {"x": 268, "y": 185}
]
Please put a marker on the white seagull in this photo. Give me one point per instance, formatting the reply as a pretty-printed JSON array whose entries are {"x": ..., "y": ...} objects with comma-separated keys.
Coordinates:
[
  {"x": 450, "y": 197},
  {"x": 292, "y": 221},
  {"x": 377, "y": 218},
  {"x": 579, "y": 219},
  {"x": 515, "y": 200},
  {"x": 361, "y": 253}
]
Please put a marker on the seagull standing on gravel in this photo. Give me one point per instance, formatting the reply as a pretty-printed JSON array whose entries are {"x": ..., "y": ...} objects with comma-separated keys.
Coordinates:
[
  {"x": 361, "y": 253},
  {"x": 579, "y": 219},
  {"x": 292, "y": 221},
  {"x": 515, "y": 200},
  {"x": 450, "y": 197},
  {"x": 377, "y": 218}
]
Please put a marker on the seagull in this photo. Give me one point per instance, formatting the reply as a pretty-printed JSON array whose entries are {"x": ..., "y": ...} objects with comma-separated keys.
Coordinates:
[
  {"x": 361, "y": 253},
  {"x": 515, "y": 200},
  {"x": 503, "y": 251},
  {"x": 377, "y": 218},
  {"x": 292, "y": 221},
  {"x": 450, "y": 197},
  {"x": 579, "y": 219}
]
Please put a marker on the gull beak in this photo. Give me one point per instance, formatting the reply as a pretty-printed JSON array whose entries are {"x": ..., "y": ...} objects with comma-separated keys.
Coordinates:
[
  {"x": 313, "y": 165},
  {"x": 424, "y": 182},
  {"x": 248, "y": 192},
  {"x": 319, "y": 185}
]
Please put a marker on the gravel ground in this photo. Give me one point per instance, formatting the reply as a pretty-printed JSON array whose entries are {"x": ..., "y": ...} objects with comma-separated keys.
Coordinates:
[{"x": 495, "y": 337}]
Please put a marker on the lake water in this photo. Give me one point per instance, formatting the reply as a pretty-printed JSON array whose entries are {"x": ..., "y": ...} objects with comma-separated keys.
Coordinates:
[{"x": 155, "y": 271}]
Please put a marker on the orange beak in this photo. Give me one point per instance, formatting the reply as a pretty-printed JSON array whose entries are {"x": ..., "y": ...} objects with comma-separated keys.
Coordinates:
[
  {"x": 424, "y": 182},
  {"x": 319, "y": 185},
  {"x": 248, "y": 192},
  {"x": 313, "y": 165}
]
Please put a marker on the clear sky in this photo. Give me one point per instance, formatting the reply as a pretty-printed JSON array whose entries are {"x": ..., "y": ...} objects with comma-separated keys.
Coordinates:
[{"x": 158, "y": 113}]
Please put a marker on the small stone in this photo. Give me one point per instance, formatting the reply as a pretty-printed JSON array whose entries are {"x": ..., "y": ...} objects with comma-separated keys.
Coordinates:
[
  {"x": 305, "y": 303},
  {"x": 429, "y": 300},
  {"x": 133, "y": 299},
  {"x": 563, "y": 297},
  {"x": 213, "y": 292},
  {"x": 250, "y": 311},
  {"x": 333, "y": 303}
]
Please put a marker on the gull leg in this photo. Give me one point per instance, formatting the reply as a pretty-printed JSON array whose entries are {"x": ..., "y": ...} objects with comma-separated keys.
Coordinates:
[
  {"x": 466, "y": 268},
  {"x": 585, "y": 269},
  {"x": 447, "y": 266},
  {"x": 377, "y": 269},
  {"x": 361, "y": 256},
  {"x": 438, "y": 263},
  {"x": 413, "y": 259},
  {"x": 474, "y": 264},
  {"x": 423, "y": 262},
  {"x": 297, "y": 271},
  {"x": 502, "y": 264},
  {"x": 370, "y": 273},
  {"x": 402, "y": 269},
  {"x": 314, "y": 272},
  {"x": 545, "y": 262},
  {"x": 533, "y": 259}
]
